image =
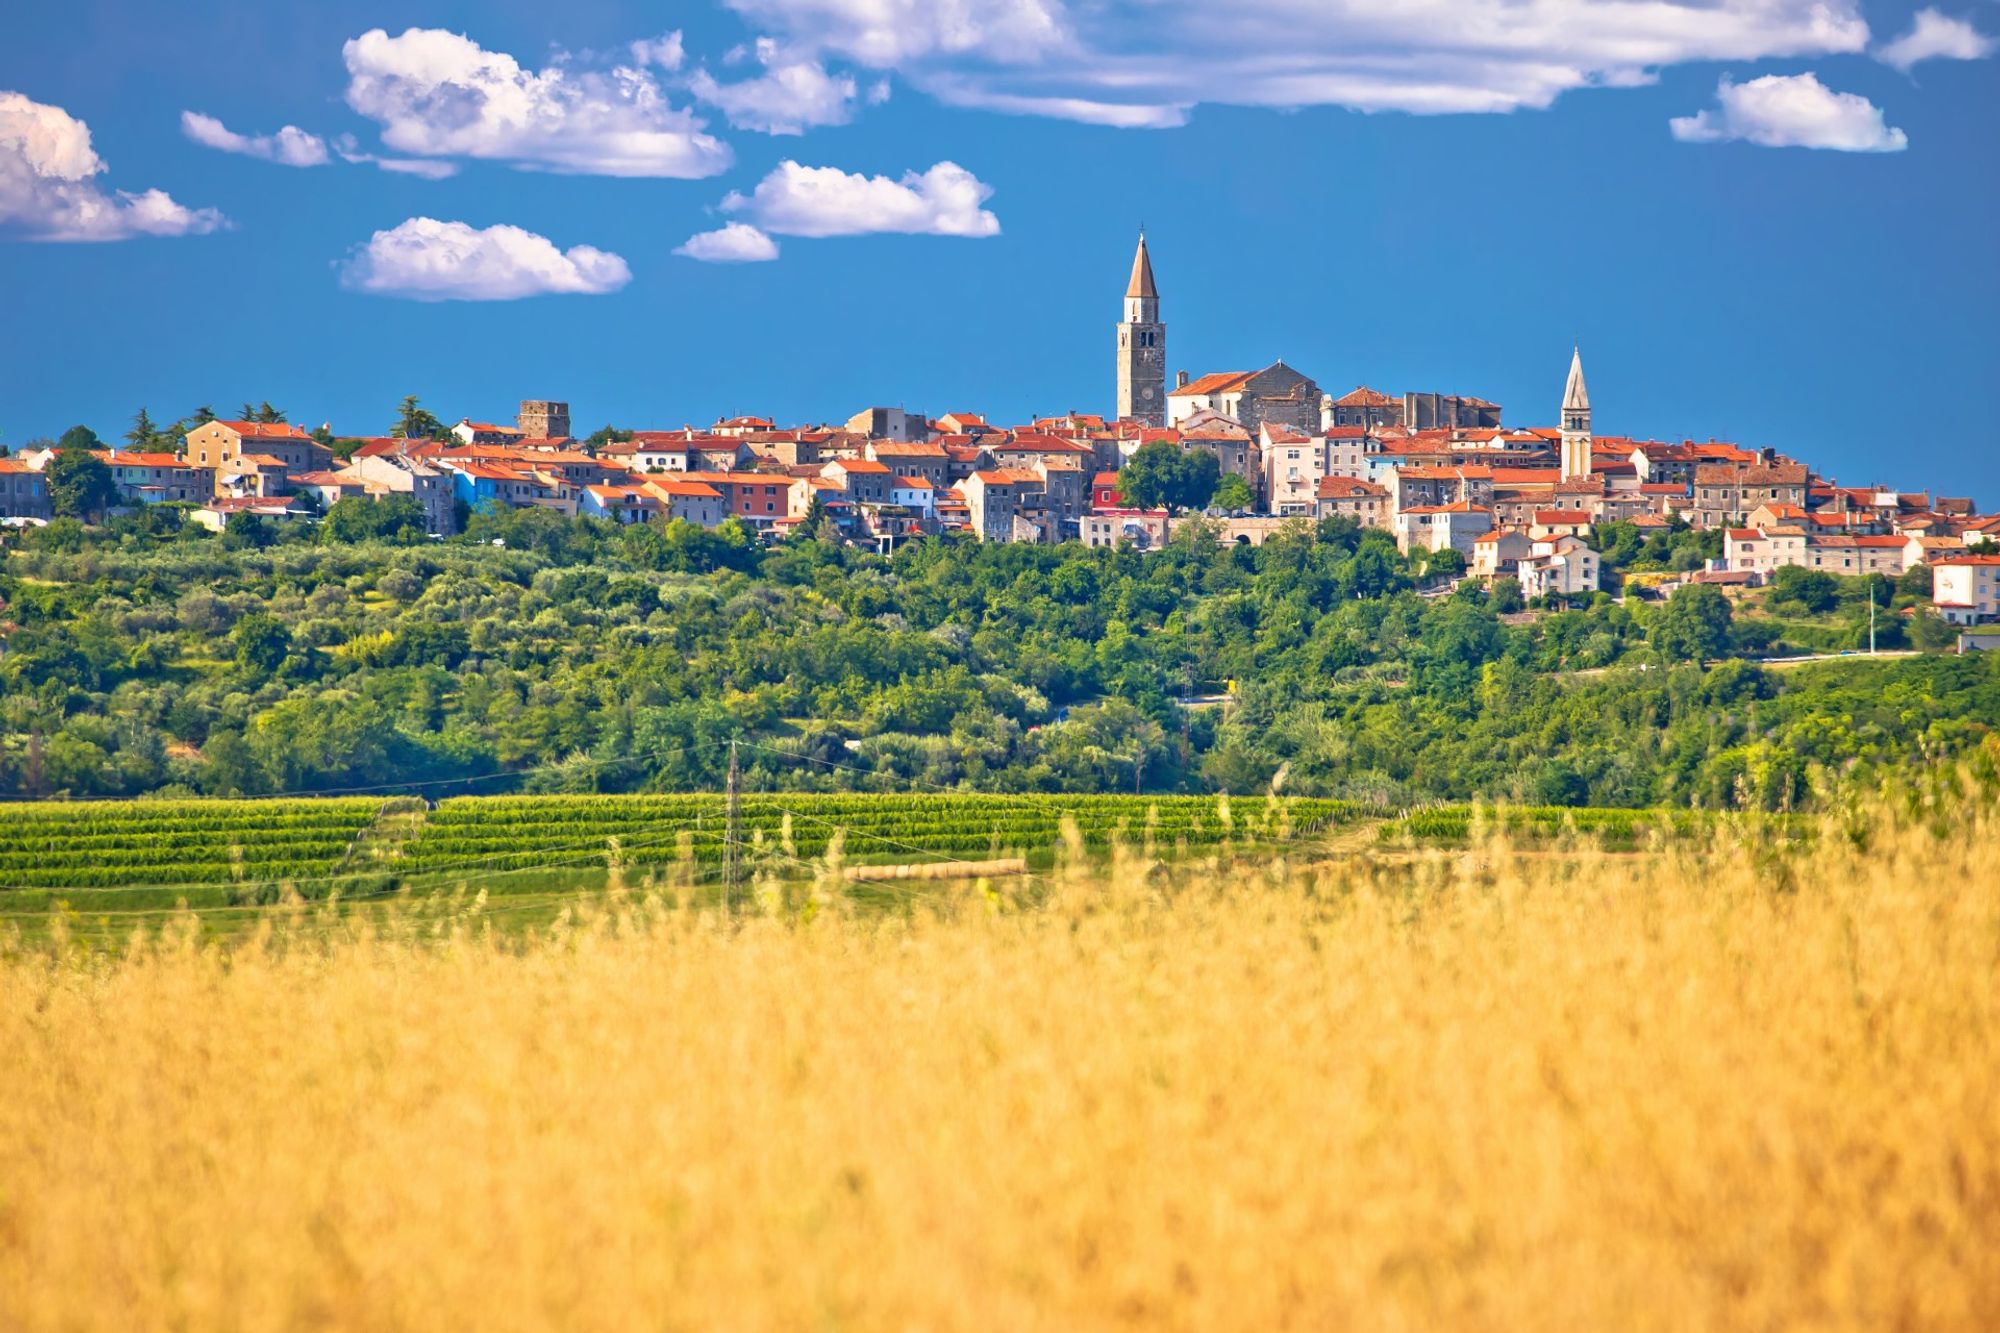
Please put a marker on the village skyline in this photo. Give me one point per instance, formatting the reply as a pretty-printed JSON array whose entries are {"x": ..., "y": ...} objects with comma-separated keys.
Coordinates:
[{"x": 1772, "y": 228}]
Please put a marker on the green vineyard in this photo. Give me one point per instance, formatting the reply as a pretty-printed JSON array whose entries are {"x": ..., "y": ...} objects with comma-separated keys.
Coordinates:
[
  {"x": 165, "y": 844},
  {"x": 1610, "y": 829},
  {"x": 370, "y": 846}
]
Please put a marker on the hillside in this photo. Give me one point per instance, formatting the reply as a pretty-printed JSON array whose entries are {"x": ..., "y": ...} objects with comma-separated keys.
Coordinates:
[{"x": 538, "y": 654}]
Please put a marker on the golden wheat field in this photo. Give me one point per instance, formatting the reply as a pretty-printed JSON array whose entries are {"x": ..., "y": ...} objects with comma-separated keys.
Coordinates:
[{"x": 1733, "y": 1087}]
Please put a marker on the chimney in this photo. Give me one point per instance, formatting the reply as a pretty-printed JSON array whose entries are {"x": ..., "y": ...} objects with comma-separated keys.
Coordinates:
[{"x": 1180, "y": 379}]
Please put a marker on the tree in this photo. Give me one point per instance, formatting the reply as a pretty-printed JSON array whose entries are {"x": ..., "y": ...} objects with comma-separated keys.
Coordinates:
[
  {"x": 393, "y": 518},
  {"x": 246, "y": 531},
  {"x": 80, "y": 485},
  {"x": 201, "y": 416},
  {"x": 607, "y": 434},
  {"x": 414, "y": 423},
  {"x": 815, "y": 522},
  {"x": 79, "y": 437},
  {"x": 1693, "y": 626},
  {"x": 1232, "y": 493},
  {"x": 147, "y": 435},
  {"x": 261, "y": 643},
  {"x": 1447, "y": 562},
  {"x": 1164, "y": 475},
  {"x": 1930, "y": 632},
  {"x": 1813, "y": 590}
]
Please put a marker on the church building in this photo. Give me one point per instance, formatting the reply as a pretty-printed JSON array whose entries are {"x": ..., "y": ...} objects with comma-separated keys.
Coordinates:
[
  {"x": 1576, "y": 443},
  {"x": 1142, "y": 347}
]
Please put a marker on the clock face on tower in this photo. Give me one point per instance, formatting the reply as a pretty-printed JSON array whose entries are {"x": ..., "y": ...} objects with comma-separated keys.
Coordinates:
[{"x": 1147, "y": 392}]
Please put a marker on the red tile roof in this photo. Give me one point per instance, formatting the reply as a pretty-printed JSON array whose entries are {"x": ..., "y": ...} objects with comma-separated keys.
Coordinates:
[
  {"x": 1348, "y": 488},
  {"x": 1031, "y": 442},
  {"x": 117, "y": 459},
  {"x": 1224, "y": 381},
  {"x": 265, "y": 430},
  {"x": 1363, "y": 396}
]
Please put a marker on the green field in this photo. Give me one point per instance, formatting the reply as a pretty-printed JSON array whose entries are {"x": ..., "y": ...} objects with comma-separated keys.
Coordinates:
[
  {"x": 99, "y": 870},
  {"x": 223, "y": 854}
]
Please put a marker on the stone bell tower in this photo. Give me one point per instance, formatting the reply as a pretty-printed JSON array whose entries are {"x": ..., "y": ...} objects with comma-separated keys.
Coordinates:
[
  {"x": 1142, "y": 347},
  {"x": 1576, "y": 442}
]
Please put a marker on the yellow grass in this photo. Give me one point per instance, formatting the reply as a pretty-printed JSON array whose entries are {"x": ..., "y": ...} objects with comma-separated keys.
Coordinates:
[{"x": 1479, "y": 1091}]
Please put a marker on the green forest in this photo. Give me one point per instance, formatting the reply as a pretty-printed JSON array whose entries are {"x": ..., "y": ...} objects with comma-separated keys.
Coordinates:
[{"x": 536, "y": 653}]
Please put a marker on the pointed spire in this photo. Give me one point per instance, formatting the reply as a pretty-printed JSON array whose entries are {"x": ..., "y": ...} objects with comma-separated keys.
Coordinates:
[
  {"x": 1576, "y": 398},
  {"x": 1142, "y": 274}
]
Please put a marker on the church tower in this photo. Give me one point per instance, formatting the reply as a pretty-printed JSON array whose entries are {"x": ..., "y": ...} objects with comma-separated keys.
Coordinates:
[
  {"x": 1576, "y": 422},
  {"x": 1142, "y": 347}
]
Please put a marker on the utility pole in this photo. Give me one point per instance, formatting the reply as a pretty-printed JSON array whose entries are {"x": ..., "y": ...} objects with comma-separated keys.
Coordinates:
[{"x": 732, "y": 866}]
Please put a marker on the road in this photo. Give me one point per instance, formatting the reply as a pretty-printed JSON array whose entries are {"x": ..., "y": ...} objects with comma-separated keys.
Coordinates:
[{"x": 1768, "y": 663}]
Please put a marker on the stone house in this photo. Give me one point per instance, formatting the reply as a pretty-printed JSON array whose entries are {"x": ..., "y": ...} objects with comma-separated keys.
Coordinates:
[
  {"x": 862, "y": 480},
  {"x": 156, "y": 478},
  {"x": 1564, "y": 566},
  {"x": 431, "y": 487},
  {"x": 995, "y": 497},
  {"x": 1347, "y": 450},
  {"x": 1435, "y": 527},
  {"x": 1726, "y": 493},
  {"x": 1497, "y": 553},
  {"x": 1349, "y": 497},
  {"x": 24, "y": 491},
  {"x": 1293, "y": 463},
  {"x": 1235, "y": 449},
  {"x": 922, "y": 459},
  {"x": 1762, "y": 551},
  {"x": 1417, "y": 486},
  {"x": 620, "y": 504},
  {"x": 1365, "y": 409},
  {"x": 216, "y": 444},
  {"x": 1276, "y": 394},
  {"x": 1560, "y": 523},
  {"x": 1966, "y": 588}
]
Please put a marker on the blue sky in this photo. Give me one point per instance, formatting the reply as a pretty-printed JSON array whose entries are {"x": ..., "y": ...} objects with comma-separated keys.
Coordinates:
[{"x": 1841, "y": 303}]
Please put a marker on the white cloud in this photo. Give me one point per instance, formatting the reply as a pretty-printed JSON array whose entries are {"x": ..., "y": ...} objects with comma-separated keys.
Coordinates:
[
  {"x": 789, "y": 97},
  {"x": 438, "y": 94},
  {"x": 1791, "y": 111},
  {"x": 430, "y": 168},
  {"x": 826, "y": 201},
  {"x": 428, "y": 260},
  {"x": 46, "y": 190},
  {"x": 427, "y": 167},
  {"x": 736, "y": 243},
  {"x": 667, "y": 52},
  {"x": 887, "y": 33},
  {"x": 1148, "y": 63},
  {"x": 290, "y": 146},
  {"x": 1936, "y": 36}
]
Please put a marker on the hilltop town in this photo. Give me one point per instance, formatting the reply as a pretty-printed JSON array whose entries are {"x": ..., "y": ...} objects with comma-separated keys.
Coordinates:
[{"x": 1440, "y": 472}]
